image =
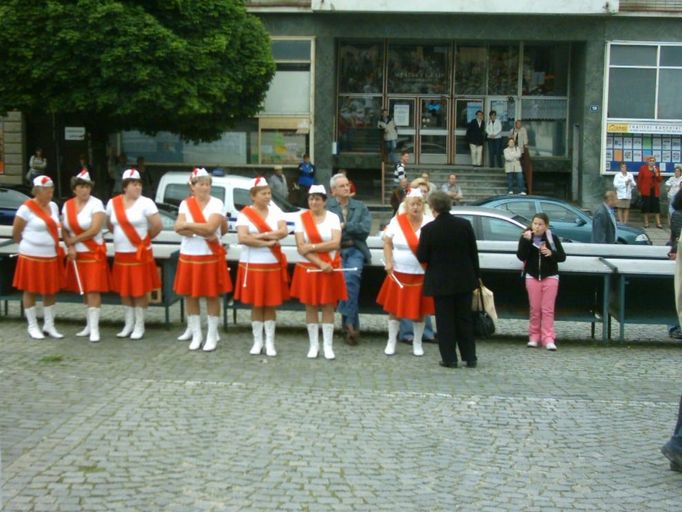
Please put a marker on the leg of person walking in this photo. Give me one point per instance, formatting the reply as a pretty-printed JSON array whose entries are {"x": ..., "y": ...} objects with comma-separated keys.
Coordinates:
[
  {"x": 550, "y": 288},
  {"x": 534, "y": 289},
  {"x": 349, "y": 309},
  {"x": 445, "y": 323},
  {"x": 673, "y": 448},
  {"x": 464, "y": 328}
]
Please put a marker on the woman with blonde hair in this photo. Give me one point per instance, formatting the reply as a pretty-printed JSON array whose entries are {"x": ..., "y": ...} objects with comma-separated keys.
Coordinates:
[
  {"x": 202, "y": 270},
  {"x": 40, "y": 263}
]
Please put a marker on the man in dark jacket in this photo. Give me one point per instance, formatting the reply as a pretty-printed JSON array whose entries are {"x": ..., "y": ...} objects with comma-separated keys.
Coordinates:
[
  {"x": 475, "y": 138},
  {"x": 448, "y": 246},
  {"x": 604, "y": 221}
]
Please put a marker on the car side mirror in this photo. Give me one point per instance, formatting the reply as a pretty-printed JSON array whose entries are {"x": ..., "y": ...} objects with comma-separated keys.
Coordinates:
[{"x": 580, "y": 222}]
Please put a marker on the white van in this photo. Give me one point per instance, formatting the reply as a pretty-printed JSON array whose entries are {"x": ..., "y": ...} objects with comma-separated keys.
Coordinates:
[{"x": 231, "y": 189}]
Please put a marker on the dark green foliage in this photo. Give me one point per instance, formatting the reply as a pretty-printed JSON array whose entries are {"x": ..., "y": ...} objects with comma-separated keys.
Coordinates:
[{"x": 191, "y": 67}]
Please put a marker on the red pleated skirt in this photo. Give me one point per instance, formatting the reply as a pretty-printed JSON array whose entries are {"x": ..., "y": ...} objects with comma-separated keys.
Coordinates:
[
  {"x": 94, "y": 274},
  {"x": 202, "y": 276},
  {"x": 133, "y": 278},
  {"x": 317, "y": 288},
  {"x": 407, "y": 302},
  {"x": 34, "y": 274},
  {"x": 264, "y": 285}
]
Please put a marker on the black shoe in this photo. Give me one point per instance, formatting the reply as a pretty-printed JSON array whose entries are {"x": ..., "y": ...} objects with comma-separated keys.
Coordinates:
[
  {"x": 406, "y": 341},
  {"x": 431, "y": 340},
  {"x": 448, "y": 365},
  {"x": 675, "y": 467},
  {"x": 472, "y": 364}
]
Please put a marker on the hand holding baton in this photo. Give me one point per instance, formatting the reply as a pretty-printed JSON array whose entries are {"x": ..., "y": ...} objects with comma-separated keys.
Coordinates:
[{"x": 350, "y": 269}]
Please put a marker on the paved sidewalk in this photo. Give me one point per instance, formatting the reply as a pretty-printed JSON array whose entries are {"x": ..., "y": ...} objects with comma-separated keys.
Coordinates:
[{"x": 149, "y": 426}]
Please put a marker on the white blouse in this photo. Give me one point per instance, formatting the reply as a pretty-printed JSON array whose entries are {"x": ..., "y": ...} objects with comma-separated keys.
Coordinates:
[
  {"x": 404, "y": 260},
  {"x": 35, "y": 238},
  {"x": 259, "y": 254},
  {"x": 84, "y": 218},
  {"x": 137, "y": 215},
  {"x": 196, "y": 245},
  {"x": 330, "y": 223}
]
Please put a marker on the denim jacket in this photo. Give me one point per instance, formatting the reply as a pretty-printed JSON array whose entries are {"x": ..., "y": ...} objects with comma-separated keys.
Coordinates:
[{"x": 357, "y": 225}]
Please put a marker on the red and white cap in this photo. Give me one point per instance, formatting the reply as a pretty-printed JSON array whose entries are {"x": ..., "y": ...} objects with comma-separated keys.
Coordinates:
[
  {"x": 84, "y": 175},
  {"x": 43, "y": 181},
  {"x": 415, "y": 192},
  {"x": 258, "y": 181},
  {"x": 131, "y": 174},
  {"x": 317, "y": 189},
  {"x": 198, "y": 172}
]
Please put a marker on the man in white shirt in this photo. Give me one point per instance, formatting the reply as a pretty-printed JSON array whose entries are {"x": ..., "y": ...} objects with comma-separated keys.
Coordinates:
[{"x": 494, "y": 133}]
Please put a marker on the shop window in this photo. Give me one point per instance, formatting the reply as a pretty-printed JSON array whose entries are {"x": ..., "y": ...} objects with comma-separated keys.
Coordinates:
[
  {"x": 669, "y": 104},
  {"x": 632, "y": 55},
  {"x": 418, "y": 69},
  {"x": 632, "y": 93},
  {"x": 282, "y": 146},
  {"x": 291, "y": 50},
  {"x": 545, "y": 121},
  {"x": 545, "y": 70},
  {"x": 470, "y": 70},
  {"x": 292, "y": 73},
  {"x": 503, "y": 69},
  {"x": 357, "y": 130},
  {"x": 671, "y": 56},
  {"x": 361, "y": 68}
]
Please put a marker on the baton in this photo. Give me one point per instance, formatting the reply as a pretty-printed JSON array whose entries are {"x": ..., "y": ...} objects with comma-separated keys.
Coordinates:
[
  {"x": 396, "y": 280},
  {"x": 246, "y": 271},
  {"x": 78, "y": 277},
  {"x": 351, "y": 269}
]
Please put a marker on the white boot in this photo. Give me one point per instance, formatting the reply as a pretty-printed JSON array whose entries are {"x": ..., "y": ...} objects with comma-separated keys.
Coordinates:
[
  {"x": 212, "y": 334},
  {"x": 194, "y": 325},
  {"x": 86, "y": 330},
  {"x": 138, "y": 330},
  {"x": 257, "y": 329},
  {"x": 93, "y": 324},
  {"x": 393, "y": 328},
  {"x": 187, "y": 335},
  {"x": 328, "y": 340},
  {"x": 418, "y": 329},
  {"x": 314, "y": 338},
  {"x": 48, "y": 322},
  {"x": 270, "y": 338},
  {"x": 129, "y": 315},
  {"x": 33, "y": 329}
]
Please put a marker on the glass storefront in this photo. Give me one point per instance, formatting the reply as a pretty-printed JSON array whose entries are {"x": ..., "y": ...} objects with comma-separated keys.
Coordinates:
[
  {"x": 430, "y": 88},
  {"x": 643, "y": 114}
]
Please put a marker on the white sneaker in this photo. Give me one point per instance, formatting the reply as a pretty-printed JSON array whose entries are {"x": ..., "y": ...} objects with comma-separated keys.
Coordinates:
[
  {"x": 551, "y": 346},
  {"x": 510, "y": 193},
  {"x": 532, "y": 344},
  {"x": 522, "y": 193}
]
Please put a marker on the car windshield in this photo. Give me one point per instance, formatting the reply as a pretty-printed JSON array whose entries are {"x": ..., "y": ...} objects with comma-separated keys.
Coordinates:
[
  {"x": 11, "y": 198},
  {"x": 282, "y": 203}
]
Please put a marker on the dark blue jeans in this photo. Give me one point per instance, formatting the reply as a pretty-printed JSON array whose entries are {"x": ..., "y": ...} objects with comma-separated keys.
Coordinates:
[
  {"x": 349, "y": 309},
  {"x": 520, "y": 185},
  {"x": 495, "y": 152}
]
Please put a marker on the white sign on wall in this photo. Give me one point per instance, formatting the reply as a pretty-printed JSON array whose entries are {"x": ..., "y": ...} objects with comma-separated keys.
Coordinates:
[
  {"x": 74, "y": 133},
  {"x": 401, "y": 115}
]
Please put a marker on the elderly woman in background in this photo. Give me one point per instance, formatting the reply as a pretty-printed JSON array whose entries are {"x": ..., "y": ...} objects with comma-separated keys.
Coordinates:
[
  {"x": 315, "y": 283},
  {"x": 87, "y": 271},
  {"x": 202, "y": 271},
  {"x": 623, "y": 183},
  {"x": 40, "y": 263},
  {"x": 401, "y": 294},
  {"x": 134, "y": 221},
  {"x": 262, "y": 278}
]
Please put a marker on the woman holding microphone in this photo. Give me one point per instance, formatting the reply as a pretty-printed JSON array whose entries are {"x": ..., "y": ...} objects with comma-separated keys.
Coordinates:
[
  {"x": 401, "y": 294},
  {"x": 262, "y": 278},
  {"x": 40, "y": 263},
  {"x": 202, "y": 270},
  {"x": 134, "y": 221},
  {"x": 318, "y": 283},
  {"x": 87, "y": 271}
]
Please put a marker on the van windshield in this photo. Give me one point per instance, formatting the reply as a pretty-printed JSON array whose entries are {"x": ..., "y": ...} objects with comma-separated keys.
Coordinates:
[{"x": 176, "y": 193}]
